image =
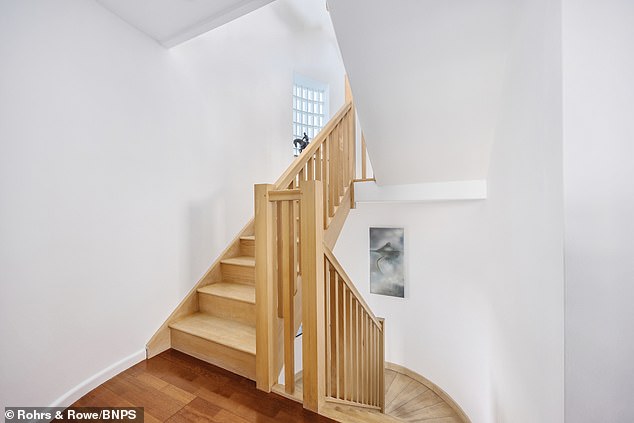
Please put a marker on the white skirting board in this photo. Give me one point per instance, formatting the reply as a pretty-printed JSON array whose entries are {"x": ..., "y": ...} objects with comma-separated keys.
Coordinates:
[
  {"x": 370, "y": 192},
  {"x": 98, "y": 378}
]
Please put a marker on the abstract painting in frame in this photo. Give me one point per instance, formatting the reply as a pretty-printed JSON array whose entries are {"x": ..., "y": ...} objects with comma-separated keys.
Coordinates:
[{"x": 387, "y": 270}]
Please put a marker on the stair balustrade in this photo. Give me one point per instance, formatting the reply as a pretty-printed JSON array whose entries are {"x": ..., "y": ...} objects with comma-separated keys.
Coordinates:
[{"x": 299, "y": 281}]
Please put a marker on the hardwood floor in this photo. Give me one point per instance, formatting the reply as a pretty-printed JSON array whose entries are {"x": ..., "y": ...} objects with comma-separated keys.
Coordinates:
[
  {"x": 174, "y": 387},
  {"x": 409, "y": 400}
]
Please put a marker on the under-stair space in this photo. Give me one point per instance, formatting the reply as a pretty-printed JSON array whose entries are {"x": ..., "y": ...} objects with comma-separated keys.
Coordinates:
[{"x": 222, "y": 331}]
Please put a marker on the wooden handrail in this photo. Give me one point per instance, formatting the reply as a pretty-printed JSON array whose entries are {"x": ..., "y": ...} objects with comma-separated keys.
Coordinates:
[
  {"x": 284, "y": 194},
  {"x": 300, "y": 162},
  {"x": 346, "y": 279}
]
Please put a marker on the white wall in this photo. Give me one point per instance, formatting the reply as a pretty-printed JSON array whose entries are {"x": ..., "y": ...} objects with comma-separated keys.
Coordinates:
[
  {"x": 525, "y": 224},
  {"x": 483, "y": 313},
  {"x": 440, "y": 329},
  {"x": 124, "y": 169},
  {"x": 599, "y": 205}
]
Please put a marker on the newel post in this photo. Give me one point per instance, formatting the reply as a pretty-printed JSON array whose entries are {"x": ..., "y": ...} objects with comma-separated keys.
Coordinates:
[
  {"x": 312, "y": 271},
  {"x": 264, "y": 288}
]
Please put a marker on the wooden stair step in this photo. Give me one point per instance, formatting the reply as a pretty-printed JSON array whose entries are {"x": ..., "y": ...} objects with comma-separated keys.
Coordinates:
[
  {"x": 238, "y": 270},
  {"x": 222, "y": 342},
  {"x": 247, "y": 245},
  {"x": 244, "y": 261},
  {"x": 234, "y": 301},
  {"x": 233, "y": 291},
  {"x": 226, "y": 332}
]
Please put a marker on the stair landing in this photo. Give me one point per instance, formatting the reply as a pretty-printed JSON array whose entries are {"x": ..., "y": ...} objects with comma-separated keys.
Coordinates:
[{"x": 408, "y": 398}]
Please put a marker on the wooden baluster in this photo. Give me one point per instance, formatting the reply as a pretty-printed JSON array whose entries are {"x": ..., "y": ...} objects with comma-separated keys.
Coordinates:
[
  {"x": 337, "y": 171},
  {"x": 362, "y": 361},
  {"x": 332, "y": 173},
  {"x": 264, "y": 291},
  {"x": 326, "y": 180},
  {"x": 279, "y": 287},
  {"x": 310, "y": 174},
  {"x": 288, "y": 271},
  {"x": 296, "y": 242},
  {"x": 351, "y": 117},
  {"x": 334, "y": 333},
  {"x": 349, "y": 342},
  {"x": 351, "y": 144},
  {"x": 355, "y": 349},
  {"x": 374, "y": 367},
  {"x": 333, "y": 169},
  {"x": 369, "y": 362},
  {"x": 339, "y": 162},
  {"x": 346, "y": 340},
  {"x": 341, "y": 340},
  {"x": 337, "y": 335},
  {"x": 364, "y": 154},
  {"x": 373, "y": 364},
  {"x": 382, "y": 366},
  {"x": 318, "y": 164},
  {"x": 345, "y": 131},
  {"x": 328, "y": 328},
  {"x": 358, "y": 360},
  {"x": 312, "y": 295}
]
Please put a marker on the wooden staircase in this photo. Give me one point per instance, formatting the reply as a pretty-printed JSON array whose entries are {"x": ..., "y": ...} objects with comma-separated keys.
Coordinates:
[
  {"x": 280, "y": 272},
  {"x": 222, "y": 332}
]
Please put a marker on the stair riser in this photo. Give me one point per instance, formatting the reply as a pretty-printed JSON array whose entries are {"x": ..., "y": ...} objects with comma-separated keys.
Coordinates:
[
  {"x": 219, "y": 355},
  {"x": 247, "y": 247},
  {"x": 238, "y": 274},
  {"x": 227, "y": 308}
]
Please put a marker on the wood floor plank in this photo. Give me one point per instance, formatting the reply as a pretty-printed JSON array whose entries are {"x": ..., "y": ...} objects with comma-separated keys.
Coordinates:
[
  {"x": 405, "y": 398},
  {"x": 196, "y": 411},
  {"x": 441, "y": 409},
  {"x": 442, "y": 420},
  {"x": 390, "y": 375},
  {"x": 177, "y": 388},
  {"x": 421, "y": 401},
  {"x": 400, "y": 384},
  {"x": 155, "y": 402}
]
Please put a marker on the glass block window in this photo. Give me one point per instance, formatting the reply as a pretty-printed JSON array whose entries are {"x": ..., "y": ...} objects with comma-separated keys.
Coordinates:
[{"x": 310, "y": 108}]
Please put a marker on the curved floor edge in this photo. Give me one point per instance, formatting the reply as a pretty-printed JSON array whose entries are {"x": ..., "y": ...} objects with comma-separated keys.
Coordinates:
[{"x": 401, "y": 396}]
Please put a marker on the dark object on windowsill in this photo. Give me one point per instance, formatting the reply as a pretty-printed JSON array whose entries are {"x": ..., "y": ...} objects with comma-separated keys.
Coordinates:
[{"x": 301, "y": 143}]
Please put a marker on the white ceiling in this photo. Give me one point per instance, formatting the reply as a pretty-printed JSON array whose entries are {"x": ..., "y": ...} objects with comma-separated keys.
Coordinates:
[
  {"x": 171, "y": 22},
  {"x": 427, "y": 78}
]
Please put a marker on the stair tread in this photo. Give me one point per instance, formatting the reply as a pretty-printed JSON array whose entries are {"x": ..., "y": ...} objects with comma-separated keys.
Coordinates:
[
  {"x": 216, "y": 329},
  {"x": 240, "y": 261},
  {"x": 248, "y": 237},
  {"x": 234, "y": 291}
]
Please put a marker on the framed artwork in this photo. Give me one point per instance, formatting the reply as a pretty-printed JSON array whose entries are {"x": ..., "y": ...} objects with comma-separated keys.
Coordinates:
[{"x": 387, "y": 270}]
